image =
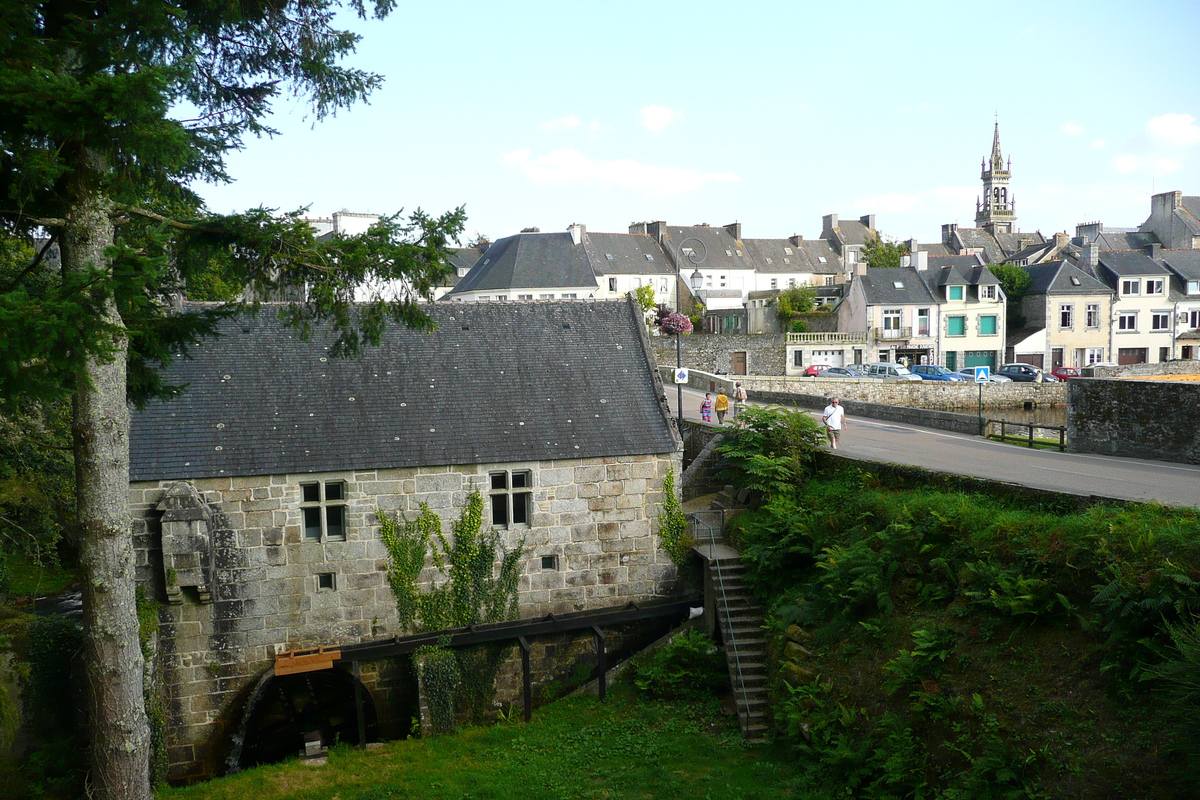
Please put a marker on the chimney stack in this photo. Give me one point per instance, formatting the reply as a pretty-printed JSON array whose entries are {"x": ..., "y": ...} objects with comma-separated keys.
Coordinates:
[
  {"x": 921, "y": 260},
  {"x": 735, "y": 230},
  {"x": 577, "y": 232},
  {"x": 1153, "y": 249}
]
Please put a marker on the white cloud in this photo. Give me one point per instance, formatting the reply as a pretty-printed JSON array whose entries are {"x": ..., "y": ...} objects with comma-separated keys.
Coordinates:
[
  {"x": 1180, "y": 129},
  {"x": 656, "y": 118},
  {"x": 567, "y": 167},
  {"x": 595, "y": 126},
  {"x": 1072, "y": 129},
  {"x": 1099, "y": 144},
  {"x": 562, "y": 123},
  {"x": 1126, "y": 165},
  {"x": 1164, "y": 166}
]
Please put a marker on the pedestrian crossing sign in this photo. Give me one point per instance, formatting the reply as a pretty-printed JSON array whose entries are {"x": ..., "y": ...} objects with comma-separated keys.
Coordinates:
[{"x": 983, "y": 374}]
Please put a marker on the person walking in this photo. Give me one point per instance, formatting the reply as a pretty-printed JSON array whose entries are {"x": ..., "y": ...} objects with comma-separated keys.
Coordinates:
[
  {"x": 706, "y": 407},
  {"x": 721, "y": 406},
  {"x": 739, "y": 397},
  {"x": 834, "y": 418}
]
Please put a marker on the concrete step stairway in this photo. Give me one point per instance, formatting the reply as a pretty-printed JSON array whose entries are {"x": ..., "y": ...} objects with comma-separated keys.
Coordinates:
[{"x": 741, "y": 623}]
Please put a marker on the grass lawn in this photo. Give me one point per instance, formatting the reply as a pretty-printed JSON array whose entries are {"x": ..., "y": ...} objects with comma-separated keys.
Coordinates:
[{"x": 575, "y": 748}]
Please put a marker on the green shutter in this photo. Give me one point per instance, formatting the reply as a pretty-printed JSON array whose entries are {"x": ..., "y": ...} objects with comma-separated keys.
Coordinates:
[
  {"x": 956, "y": 293},
  {"x": 987, "y": 325},
  {"x": 956, "y": 326}
]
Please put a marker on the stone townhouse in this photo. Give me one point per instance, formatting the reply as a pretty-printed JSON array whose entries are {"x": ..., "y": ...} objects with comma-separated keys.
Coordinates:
[
  {"x": 895, "y": 310},
  {"x": 1185, "y": 293},
  {"x": 1067, "y": 318},
  {"x": 1142, "y": 329},
  {"x": 255, "y": 493}
]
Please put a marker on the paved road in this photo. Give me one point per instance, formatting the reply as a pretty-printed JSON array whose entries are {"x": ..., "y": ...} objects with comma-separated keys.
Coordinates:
[{"x": 1122, "y": 478}]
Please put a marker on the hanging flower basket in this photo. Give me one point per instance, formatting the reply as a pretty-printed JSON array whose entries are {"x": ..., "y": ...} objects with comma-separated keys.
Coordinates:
[{"x": 676, "y": 323}]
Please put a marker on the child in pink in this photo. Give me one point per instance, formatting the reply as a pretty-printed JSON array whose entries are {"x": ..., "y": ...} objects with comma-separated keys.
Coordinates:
[{"x": 706, "y": 407}]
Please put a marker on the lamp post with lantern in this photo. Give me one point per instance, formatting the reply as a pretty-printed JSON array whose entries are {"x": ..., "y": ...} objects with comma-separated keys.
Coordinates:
[{"x": 697, "y": 281}]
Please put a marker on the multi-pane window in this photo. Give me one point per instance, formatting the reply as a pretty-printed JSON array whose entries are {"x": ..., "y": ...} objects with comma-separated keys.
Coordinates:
[
  {"x": 1093, "y": 315},
  {"x": 1160, "y": 321},
  {"x": 956, "y": 326},
  {"x": 987, "y": 325},
  {"x": 922, "y": 322},
  {"x": 774, "y": 283},
  {"x": 545, "y": 296},
  {"x": 1194, "y": 319},
  {"x": 1066, "y": 315},
  {"x": 1193, "y": 287},
  {"x": 1131, "y": 286},
  {"x": 323, "y": 508},
  {"x": 1154, "y": 286},
  {"x": 987, "y": 292},
  {"x": 797, "y": 358},
  {"x": 829, "y": 280},
  {"x": 891, "y": 319},
  {"x": 1094, "y": 355},
  {"x": 524, "y": 297},
  {"x": 511, "y": 496},
  {"x": 1127, "y": 321}
]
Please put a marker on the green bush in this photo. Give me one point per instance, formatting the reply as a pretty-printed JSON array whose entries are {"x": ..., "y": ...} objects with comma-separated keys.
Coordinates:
[{"x": 690, "y": 667}]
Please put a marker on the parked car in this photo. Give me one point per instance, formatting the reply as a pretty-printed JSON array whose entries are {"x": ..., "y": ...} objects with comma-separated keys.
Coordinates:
[
  {"x": 968, "y": 374},
  {"x": 814, "y": 370},
  {"x": 887, "y": 371},
  {"x": 933, "y": 372},
  {"x": 841, "y": 372},
  {"x": 1062, "y": 373},
  {"x": 1024, "y": 373}
]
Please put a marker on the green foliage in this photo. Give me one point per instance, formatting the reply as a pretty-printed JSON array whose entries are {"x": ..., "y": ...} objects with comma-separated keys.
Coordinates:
[
  {"x": 1177, "y": 678},
  {"x": 794, "y": 301},
  {"x": 697, "y": 317},
  {"x": 878, "y": 252},
  {"x": 925, "y": 661},
  {"x": 441, "y": 680},
  {"x": 479, "y": 586},
  {"x": 645, "y": 297},
  {"x": 771, "y": 451},
  {"x": 1014, "y": 281},
  {"x": 673, "y": 524},
  {"x": 690, "y": 667}
]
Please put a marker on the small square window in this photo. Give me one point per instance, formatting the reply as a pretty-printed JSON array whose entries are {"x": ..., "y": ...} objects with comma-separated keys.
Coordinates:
[
  {"x": 511, "y": 498},
  {"x": 326, "y": 582},
  {"x": 323, "y": 511},
  {"x": 549, "y": 562}
]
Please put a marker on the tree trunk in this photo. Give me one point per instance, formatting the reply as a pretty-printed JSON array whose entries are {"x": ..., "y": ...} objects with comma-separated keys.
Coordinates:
[{"x": 120, "y": 735}]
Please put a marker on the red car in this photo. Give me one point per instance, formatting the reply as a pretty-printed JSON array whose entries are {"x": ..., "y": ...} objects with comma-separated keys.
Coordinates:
[
  {"x": 1062, "y": 373},
  {"x": 815, "y": 369}
]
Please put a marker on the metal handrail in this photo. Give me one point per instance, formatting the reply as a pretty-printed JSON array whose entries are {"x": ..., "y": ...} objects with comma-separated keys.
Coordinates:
[{"x": 694, "y": 519}]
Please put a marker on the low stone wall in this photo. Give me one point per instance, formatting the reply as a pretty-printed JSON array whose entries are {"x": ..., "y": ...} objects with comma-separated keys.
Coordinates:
[
  {"x": 927, "y": 418},
  {"x": 942, "y": 395},
  {"x": 1137, "y": 419},
  {"x": 1128, "y": 370},
  {"x": 712, "y": 352}
]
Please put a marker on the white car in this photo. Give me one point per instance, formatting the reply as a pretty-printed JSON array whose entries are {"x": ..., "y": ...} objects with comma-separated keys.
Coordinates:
[{"x": 968, "y": 373}]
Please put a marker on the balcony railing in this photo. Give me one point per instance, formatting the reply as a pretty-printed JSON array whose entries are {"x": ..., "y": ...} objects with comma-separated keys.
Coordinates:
[
  {"x": 831, "y": 337},
  {"x": 892, "y": 333}
]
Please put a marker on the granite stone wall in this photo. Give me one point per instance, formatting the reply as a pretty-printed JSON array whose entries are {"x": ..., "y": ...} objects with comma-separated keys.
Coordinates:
[
  {"x": 1129, "y": 370},
  {"x": 271, "y": 590},
  {"x": 1136, "y": 419},
  {"x": 714, "y": 352}
]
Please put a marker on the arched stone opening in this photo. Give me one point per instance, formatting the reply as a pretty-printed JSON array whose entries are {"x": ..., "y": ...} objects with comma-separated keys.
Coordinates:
[{"x": 288, "y": 710}]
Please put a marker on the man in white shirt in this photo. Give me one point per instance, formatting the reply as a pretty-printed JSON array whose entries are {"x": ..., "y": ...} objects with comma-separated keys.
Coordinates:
[{"x": 834, "y": 419}]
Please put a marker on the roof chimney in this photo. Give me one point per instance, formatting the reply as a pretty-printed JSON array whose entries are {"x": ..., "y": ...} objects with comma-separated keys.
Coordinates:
[
  {"x": 796, "y": 239},
  {"x": 531, "y": 230},
  {"x": 1089, "y": 258},
  {"x": 868, "y": 220},
  {"x": 922, "y": 260},
  {"x": 1153, "y": 248},
  {"x": 577, "y": 232},
  {"x": 1060, "y": 240},
  {"x": 860, "y": 268},
  {"x": 735, "y": 230},
  {"x": 906, "y": 260}
]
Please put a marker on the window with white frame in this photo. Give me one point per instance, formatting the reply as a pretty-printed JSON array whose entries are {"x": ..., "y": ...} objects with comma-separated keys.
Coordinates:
[
  {"x": 1066, "y": 315},
  {"x": 1131, "y": 286},
  {"x": 500, "y": 297},
  {"x": 922, "y": 319},
  {"x": 1194, "y": 319},
  {"x": 511, "y": 496},
  {"x": 1193, "y": 287},
  {"x": 1093, "y": 315},
  {"x": 1127, "y": 321},
  {"x": 1154, "y": 286},
  {"x": 954, "y": 293},
  {"x": 545, "y": 296},
  {"x": 1160, "y": 321},
  {"x": 829, "y": 280},
  {"x": 987, "y": 292},
  {"x": 1094, "y": 355},
  {"x": 612, "y": 284},
  {"x": 662, "y": 286},
  {"x": 570, "y": 296},
  {"x": 774, "y": 283},
  {"x": 891, "y": 319},
  {"x": 791, "y": 282},
  {"x": 323, "y": 510}
]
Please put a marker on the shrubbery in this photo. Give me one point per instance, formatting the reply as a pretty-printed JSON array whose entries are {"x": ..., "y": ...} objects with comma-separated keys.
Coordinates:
[{"x": 690, "y": 667}]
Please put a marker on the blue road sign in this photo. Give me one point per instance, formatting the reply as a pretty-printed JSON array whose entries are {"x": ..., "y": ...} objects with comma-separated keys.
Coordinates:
[{"x": 983, "y": 374}]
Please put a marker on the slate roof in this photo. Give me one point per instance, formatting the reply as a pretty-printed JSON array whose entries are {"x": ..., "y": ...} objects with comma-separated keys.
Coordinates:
[
  {"x": 628, "y": 251},
  {"x": 978, "y": 238},
  {"x": 1055, "y": 277},
  {"x": 1118, "y": 239},
  {"x": 935, "y": 249},
  {"x": 1130, "y": 262},
  {"x": 879, "y": 286},
  {"x": 782, "y": 255},
  {"x": 853, "y": 231},
  {"x": 1190, "y": 205},
  {"x": 722, "y": 247},
  {"x": 1185, "y": 263},
  {"x": 1012, "y": 242},
  {"x": 530, "y": 260},
  {"x": 464, "y": 257},
  {"x": 496, "y": 382}
]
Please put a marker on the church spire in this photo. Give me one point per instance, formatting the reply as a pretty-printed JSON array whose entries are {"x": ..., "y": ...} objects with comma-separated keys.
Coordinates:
[{"x": 996, "y": 212}]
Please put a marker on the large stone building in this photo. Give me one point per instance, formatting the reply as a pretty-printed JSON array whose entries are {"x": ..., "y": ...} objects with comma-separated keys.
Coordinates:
[{"x": 255, "y": 494}]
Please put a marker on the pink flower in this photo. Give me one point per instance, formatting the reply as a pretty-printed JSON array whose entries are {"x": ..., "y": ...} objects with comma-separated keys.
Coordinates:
[{"x": 676, "y": 323}]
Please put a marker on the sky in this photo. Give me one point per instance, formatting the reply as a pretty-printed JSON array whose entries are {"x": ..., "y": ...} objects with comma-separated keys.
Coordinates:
[{"x": 773, "y": 114}]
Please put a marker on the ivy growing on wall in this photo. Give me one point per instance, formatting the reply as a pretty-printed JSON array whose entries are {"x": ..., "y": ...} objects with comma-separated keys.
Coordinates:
[
  {"x": 672, "y": 523},
  {"x": 477, "y": 584}
]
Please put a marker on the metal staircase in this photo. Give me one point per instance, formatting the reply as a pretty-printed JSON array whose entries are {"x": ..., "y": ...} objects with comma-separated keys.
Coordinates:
[{"x": 740, "y": 621}]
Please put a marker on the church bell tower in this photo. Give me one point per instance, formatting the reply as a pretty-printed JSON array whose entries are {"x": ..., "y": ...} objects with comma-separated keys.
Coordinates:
[{"x": 996, "y": 210}]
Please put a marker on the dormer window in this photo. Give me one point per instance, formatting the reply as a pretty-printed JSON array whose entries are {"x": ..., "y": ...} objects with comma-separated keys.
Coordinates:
[
  {"x": 987, "y": 292},
  {"x": 1154, "y": 286},
  {"x": 1193, "y": 287},
  {"x": 954, "y": 293},
  {"x": 1131, "y": 287}
]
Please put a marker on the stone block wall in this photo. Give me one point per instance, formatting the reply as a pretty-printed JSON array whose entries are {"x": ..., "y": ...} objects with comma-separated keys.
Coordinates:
[
  {"x": 1127, "y": 370},
  {"x": 272, "y": 591},
  {"x": 944, "y": 395},
  {"x": 714, "y": 352},
  {"x": 1136, "y": 419}
]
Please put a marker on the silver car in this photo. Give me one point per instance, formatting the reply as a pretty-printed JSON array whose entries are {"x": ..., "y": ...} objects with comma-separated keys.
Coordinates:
[
  {"x": 885, "y": 370},
  {"x": 968, "y": 373}
]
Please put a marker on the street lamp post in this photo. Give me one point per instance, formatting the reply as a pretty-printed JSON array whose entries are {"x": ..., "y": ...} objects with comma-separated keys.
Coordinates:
[{"x": 696, "y": 278}]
